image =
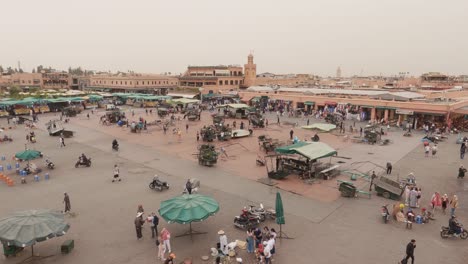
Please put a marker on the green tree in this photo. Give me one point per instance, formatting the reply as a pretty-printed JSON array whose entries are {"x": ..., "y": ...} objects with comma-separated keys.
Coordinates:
[
  {"x": 20, "y": 70},
  {"x": 10, "y": 70},
  {"x": 40, "y": 68},
  {"x": 14, "y": 91}
]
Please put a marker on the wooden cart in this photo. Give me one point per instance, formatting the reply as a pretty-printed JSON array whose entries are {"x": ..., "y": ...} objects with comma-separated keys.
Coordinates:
[{"x": 388, "y": 188}]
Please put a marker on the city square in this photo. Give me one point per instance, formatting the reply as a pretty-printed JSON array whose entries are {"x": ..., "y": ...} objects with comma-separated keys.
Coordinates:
[{"x": 214, "y": 132}]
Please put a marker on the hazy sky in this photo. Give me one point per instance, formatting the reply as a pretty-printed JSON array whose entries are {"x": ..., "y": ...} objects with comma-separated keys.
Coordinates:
[{"x": 294, "y": 36}]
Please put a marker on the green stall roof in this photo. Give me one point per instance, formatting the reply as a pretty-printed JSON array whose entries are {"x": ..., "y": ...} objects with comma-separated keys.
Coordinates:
[{"x": 311, "y": 150}]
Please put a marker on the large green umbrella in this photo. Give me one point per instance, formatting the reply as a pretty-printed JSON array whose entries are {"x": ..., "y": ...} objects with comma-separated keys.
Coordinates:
[
  {"x": 280, "y": 214},
  {"x": 26, "y": 228},
  {"x": 28, "y": 154},
  {"x": 188, "y": 208}
]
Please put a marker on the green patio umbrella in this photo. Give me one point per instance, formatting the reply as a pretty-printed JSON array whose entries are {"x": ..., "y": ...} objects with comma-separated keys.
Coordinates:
[
  {"x": 188, "y": 208},
  {"x": 26, "y": 228},
  {"x": 280, "y": 214},
  {"x": 28, "y": 154}
]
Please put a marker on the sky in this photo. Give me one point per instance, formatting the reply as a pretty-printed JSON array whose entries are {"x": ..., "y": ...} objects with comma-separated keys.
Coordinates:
[{"x": 368, "y": 37}]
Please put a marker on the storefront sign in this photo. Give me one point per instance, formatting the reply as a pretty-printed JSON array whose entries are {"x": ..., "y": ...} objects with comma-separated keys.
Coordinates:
[{"x": 404, "y": 112}]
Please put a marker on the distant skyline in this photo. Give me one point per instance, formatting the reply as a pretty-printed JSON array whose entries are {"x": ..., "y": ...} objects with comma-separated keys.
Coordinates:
[{"x": 297, "y": 36}]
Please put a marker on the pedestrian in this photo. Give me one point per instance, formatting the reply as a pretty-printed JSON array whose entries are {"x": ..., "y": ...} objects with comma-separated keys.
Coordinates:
[
  {"x": 266, "y": 122},
  {"x": 223, "y": 242},
  {"x": 278, "y": 120},
  {"x": 198, "y": 136},
  {"x": 241, "y": 125},
  {"x": 188, "y": 186},
  {"x": 62, "y": 141},
  {"x": 418, "y": 197},
  {"x": 462, "y": 150},
  {"x": 265, "y": 233},
  {"x": 434, "y": 150},
  {"x": 186, "y": 128},
  {"x": 146, "y": 110},
  {"x": 258, "y": 236},
  {"x": 444, "y": 202},
  {"x": 250, "y": 241},
  {"x": 267, "y": 252},
  {"x": 87, "y": 115},
  {"x": 164, "y": 129},
  {"x": 435, "y": 201},
  {"x": 170, "y": 259},
  {"x": 179, "y": 134},
  {"x": 138, "y": 225},
  {"x": 154, "y": 225},
  {"x": 373, "y": 176},
  {"x": 389, "y": 168},
  {"x": 360, "y": 132},
  {"x": 410, "y": 252},
  {"x": 166, "y": 240},
  {"x": 160, "y": 246},
  {"x": 66, "y": 201},
  {"x": 461, "y": 172},
  {"x": 453, "y": 205},
  {"x": 307, "y": 121},
  {"x": 291, "y": 134},
  {"x": 413, "y": 200},
  {"x": 427, "y": 148},
  {"x": 116, "y": 173}
]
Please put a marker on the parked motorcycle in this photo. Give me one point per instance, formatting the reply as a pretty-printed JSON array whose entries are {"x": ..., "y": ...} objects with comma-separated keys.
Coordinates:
[
  {"x": 246, "y": 221},
  {"x": 86, "y": 163},
  {"x": 158, "y": 184},
  {"x": 49, "y": 164},
  {"x": 445, "y": 232},
  {"x": 261, "y": 212},
  {"x": 385, "y": 213}
]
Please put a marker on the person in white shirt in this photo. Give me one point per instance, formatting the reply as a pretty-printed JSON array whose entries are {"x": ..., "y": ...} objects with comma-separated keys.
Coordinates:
[{"x": 267, "y": 252}]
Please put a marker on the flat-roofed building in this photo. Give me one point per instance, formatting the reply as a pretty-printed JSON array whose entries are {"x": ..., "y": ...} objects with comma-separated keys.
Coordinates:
[
  {"x": 214, "y": 78},
  {"x": 144, "y": 83}
]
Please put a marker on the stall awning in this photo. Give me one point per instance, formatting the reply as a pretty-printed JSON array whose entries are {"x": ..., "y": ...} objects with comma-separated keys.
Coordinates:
[
  {"x": 185, "y": 101},
  {"x": 310, "y": 150},
  {"x": 309, "y": 103},
  {"x": 320, "y": 126},
  {"x": 386, "y": 107}
]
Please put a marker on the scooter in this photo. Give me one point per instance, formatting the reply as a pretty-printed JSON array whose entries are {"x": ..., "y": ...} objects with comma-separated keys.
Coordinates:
[
  {"x": 49, "y": 164},
  {"x": 385, "y": 213},
  {"x": 246, "y": 221},
  {"x": 158, "y": 184},
  {"x": 445, "y": 232},
  {"x": 86, "y": 163}
]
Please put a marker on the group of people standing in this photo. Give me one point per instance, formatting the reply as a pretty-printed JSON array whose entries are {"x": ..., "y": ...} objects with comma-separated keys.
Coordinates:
[{"x": 262, "y": 243}]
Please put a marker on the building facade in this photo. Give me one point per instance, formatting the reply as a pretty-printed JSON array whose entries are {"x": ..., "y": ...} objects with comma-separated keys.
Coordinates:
[
  {"x": 154, "y": 84},
  {"x": 213, "y": 78}
]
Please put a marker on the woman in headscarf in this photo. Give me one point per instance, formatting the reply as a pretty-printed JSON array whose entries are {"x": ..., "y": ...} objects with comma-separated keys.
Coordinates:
[{"x": 435, "y": 201}]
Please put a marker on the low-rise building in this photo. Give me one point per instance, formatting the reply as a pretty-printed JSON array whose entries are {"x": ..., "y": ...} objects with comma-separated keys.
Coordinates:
[
  {"x": 213, "y": 78},
  {"x": 141, "y": 83}
]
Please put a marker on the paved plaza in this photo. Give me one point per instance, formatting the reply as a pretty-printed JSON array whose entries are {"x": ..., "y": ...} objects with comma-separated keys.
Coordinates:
[{"x": 326, "y": 227}]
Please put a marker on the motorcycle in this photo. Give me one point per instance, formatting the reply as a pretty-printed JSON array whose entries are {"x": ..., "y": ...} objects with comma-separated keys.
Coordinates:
[
  {"x": 445, "y": 232},
  {"x": 158, "y": 184},
  {"x": 49, "y": 164},
  {"x": 385, "y": 213},
  {"x": 86, "y": 163},
  {"x": 261, "y": 212},
  {"x": 246, "y": 221}
]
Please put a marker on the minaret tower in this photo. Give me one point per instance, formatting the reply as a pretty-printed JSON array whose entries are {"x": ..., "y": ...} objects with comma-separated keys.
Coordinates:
[{"x": 250, "y": 72}]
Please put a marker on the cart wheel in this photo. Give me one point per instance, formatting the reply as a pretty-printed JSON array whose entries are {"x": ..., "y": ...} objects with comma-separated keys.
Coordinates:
[{"x": 386, "y": 195}]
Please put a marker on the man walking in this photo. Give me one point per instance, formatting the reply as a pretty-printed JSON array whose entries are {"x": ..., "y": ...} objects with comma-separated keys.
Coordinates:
[
  {"x": 66, "y": 201},
  {"x": 138, "y": 225},
  {"x": 188, "y": 186},
  {"x": 462, "y": 150},
  {"x": 389, "y": 168},
  {"x": 154, "y": 225},
  {"x": 291, "y": 134},
  {"x": 62, "y": 141},
  {"x": 373, "y": 176},
  {"x": 409, "y": 252}
]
